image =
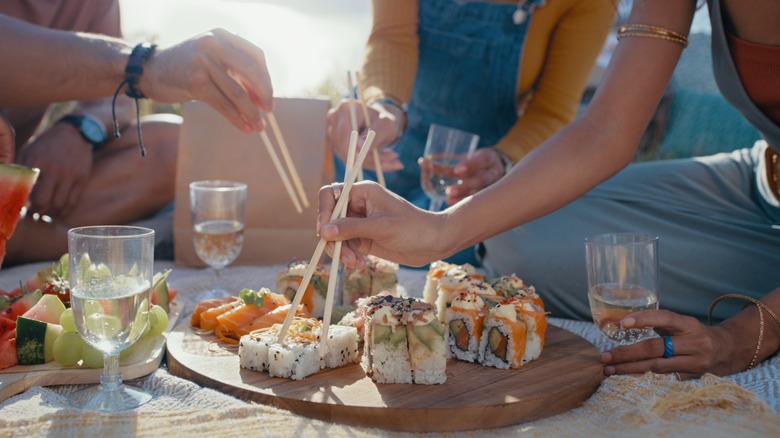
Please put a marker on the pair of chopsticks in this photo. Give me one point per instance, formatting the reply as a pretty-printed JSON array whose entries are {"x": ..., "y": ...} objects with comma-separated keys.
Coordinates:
[
  {"x": 380, "y": 176},
  {"x": 339, "y": 211},
  {"x": 288, "y": 161}
]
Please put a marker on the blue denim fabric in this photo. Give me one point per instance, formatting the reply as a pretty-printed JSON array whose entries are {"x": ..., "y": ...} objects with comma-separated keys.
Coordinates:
[{"x": 466, "y": 78}]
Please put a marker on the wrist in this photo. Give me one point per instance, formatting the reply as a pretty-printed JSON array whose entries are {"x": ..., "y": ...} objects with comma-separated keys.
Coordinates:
[
  {"x": 396, "y": 108},
  {"x": 91, "y": 129},
  {"x": 505, "y": 160}
]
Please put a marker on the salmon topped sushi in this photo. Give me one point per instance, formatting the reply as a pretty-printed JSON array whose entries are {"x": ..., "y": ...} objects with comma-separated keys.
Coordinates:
[
  {"x": 464, "y": 319},
  {"x": 512, "y": 286},
  {"x": 379, "y": 276},
  {"x": 290, "y": 278}
]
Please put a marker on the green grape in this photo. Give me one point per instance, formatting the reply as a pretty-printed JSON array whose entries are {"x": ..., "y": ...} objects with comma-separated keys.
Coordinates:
[
  {"x": 92, "y": 306},
  {"x": 91, "y": 357},
  {"x": 67, "y": 348},
  {"x": 103, "y": 326},
  {"x": 160, "y": 318},
  {"x": 66, "y": 321}
]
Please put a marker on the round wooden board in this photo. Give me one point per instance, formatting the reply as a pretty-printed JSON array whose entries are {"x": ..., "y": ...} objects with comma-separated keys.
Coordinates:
[{"x": 473, "y": 397}]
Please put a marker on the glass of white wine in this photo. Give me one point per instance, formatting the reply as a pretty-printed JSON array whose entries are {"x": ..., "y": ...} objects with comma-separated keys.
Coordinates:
[
  {"x": 218, "y": 212},
  {"x": 111, "y": 271},
  {"x": 444, "y": 149},
  {"x": 623, "y": 278}
]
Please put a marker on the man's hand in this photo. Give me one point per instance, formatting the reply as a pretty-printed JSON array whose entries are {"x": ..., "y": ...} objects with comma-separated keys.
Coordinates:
[
  {"x": 65, "y": 160},
  {"x": 482, "y": 169},
  {"x": 218, "y": 67},
  {"x": 7, "y": 140}
]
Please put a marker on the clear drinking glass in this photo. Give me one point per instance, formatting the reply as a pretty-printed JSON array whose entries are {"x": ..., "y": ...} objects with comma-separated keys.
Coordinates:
[
  {"x": 110, "y": 280},
  {"x": 622, "y": 278},
  {"x": 445, "y": 148},
  {"x": 218, "y": 211}
]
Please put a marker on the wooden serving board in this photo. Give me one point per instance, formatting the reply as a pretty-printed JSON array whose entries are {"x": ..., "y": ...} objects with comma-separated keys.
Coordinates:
[
  {"x": 473, "y": 397},
  {"x": 145, "y": 358}
]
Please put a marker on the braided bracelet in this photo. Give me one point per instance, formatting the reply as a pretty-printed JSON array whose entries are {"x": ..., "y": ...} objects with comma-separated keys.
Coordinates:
[
  {"x": 761, "y": 308},
  {"x": 133, "y": 71}
]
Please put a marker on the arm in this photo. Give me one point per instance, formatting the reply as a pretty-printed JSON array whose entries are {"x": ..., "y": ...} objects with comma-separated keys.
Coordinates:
[
  {"x": 220, "y": 68},
  {"x": 558, "y": 60},
  {"x": 723, "y": 349},
  {"x": 570, "y": 163},
  {"x": 388, "y": 71}
]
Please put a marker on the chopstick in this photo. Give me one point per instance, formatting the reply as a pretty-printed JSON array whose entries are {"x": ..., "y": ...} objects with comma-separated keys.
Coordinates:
[
  {"x": 380, "y": 176},
  {"x": 334, "y": 265},
  {"x": 341, "y": 204},
  {"x": 287, "y": 159},
  {"x": 352, "y": 114},
  {"x": 282, "y": 174}
]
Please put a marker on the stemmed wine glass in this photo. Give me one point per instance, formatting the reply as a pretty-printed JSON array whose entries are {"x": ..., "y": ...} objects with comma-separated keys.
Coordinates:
[
  {"x": 110, "y": 280},
  {"x": 218, "y": 211},
  {"x": 444, "y": 149},
  {"x": 622, "y": 279}
]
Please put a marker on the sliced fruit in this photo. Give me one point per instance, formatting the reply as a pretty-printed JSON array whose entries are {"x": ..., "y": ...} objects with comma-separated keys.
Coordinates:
[
  {"x": 16, "y": 183},
  {"x": 8, "y": 353},
  {"x": 47, "y": 309},
  {"x": 160, "y": 290},
  {"x": 35, "y": 340},
  {"x": 21, "y": 305}
]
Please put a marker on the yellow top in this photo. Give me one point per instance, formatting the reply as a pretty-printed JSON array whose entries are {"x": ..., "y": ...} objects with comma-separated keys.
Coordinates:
[{"x": 563, "y": 41}]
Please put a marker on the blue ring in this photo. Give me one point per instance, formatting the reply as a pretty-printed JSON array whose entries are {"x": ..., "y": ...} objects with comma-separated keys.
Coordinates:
[{"x": 668, "y": 347}]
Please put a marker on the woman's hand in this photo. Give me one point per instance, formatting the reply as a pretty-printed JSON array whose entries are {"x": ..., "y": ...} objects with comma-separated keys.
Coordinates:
[
  {"x": 218, "y": 67},
  {"x": 698, "y": 349},
  {"x": 381, "y": 223},
  {"x": 482, "y": 169},
  {"x": 383, "y": 122}
]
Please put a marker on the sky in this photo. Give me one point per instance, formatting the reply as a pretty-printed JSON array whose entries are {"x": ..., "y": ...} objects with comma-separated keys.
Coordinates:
[{"x": 305, "y": 41}]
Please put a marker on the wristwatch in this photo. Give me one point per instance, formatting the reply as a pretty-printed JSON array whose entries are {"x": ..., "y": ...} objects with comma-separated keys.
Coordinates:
[
  {"x": 505, "y": 160},
  {"x": 90, "y": 127}
]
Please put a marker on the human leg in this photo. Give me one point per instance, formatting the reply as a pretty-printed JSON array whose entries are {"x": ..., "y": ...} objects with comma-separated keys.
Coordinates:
[{"x": 716, "y": 237}]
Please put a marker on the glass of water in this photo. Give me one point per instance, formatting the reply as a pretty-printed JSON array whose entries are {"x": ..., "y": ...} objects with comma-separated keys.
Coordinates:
[
  {"x": 622, "y": 279},
  {"x": 218, "y": 212},
  {"x": 110, "y": 280},
  {"x": 444, "y": 149}
]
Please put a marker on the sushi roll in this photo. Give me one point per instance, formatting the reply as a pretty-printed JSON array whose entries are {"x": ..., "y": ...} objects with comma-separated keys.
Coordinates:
[
  {"x": 385, "y": 349},
  {"x": 503, "y": 338},
  {"x": 342, "y": 347},
  {"x": 379, "y": 276},
  {"x": 464, "y": 320},
  {"x": 443, "y": 282},
  {"x": 536, "y": 325},
  {"x": 253, "y": 350},
  {"x": 511, "y": 286},
  {"x": 404, "y": 342},
  {"x": 313, "y": 300}
]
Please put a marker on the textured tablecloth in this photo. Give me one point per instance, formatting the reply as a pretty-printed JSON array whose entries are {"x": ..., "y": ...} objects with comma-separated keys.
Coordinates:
[{"x": 744, "y": 404}]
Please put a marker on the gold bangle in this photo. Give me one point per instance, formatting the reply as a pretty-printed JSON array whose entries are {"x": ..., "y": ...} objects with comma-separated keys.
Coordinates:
[
  {"x": 648, "y": 31},
  {"x": 761, "y": 308}
]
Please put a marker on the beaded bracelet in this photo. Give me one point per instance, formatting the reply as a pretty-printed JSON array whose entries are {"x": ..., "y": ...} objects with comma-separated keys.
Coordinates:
[
  {"x": 761, "y": 308},
  {"x": 648, "y": 31},
  {"x": 133, "y": 71}
]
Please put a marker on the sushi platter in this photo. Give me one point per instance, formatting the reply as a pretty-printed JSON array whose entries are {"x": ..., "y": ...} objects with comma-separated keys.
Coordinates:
[
  {"x": 144, "y": 359},
  {"x": 473, "y": 396}
]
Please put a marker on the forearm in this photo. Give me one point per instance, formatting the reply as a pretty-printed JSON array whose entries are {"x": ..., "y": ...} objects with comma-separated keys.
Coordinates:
[
  {"x": 744, "y": 329},
  {"x": 87, "y": 66}
]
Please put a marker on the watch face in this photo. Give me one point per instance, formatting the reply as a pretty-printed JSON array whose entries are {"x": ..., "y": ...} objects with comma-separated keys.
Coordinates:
[{"x": 93, "y": 130}]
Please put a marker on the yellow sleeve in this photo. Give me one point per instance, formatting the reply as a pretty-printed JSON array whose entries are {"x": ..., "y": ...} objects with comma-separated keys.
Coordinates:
[
  {"x": 571, "y": 51},
  {"x": 390, "y": 62}
]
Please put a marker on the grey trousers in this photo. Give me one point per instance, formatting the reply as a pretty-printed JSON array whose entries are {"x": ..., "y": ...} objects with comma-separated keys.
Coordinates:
[{"x": 717, "y": 235}]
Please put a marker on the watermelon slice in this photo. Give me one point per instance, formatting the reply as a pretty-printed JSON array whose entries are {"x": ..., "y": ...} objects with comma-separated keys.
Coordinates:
[{"x": 16, "y": 183}]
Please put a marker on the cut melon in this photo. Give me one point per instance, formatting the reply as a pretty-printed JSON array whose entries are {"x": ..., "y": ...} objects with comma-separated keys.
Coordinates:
[
  {"x": 16, "y": 183},
  {"x": 47, "y": 309},
  {"x": 35, "y": 340}
]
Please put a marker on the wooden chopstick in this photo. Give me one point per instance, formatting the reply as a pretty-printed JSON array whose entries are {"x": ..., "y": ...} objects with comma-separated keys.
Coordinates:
[
  {"x": 341, "y": 204},
  {"x": 282, "y": 173},
  {"x": 334, "y": 265},
  {"x": 296, "y": 179},
  {"x": 352, "y": 114},
  {"x": 380, "y": 176}
]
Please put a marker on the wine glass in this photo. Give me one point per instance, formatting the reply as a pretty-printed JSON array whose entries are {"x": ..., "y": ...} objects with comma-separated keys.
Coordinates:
[
  {"x": 110, "y": 281},
  {"x": 444, "y": 149},
  {"x": 622, "y": 279},
  {"x": 218, "y": 211}
]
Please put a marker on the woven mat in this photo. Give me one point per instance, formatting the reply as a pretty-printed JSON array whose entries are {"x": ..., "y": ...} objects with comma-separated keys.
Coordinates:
[{"x": 744, "y": 404}]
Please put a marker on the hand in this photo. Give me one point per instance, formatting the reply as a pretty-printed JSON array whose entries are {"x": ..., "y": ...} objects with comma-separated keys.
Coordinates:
[
  {"x": 7, "y": 140},
  {"x": 381, "y": 223},
  {"x": 218, "y": 67},
  {"x": 65, "y": 160},
  {"x": 482, "y": 169},
  {"x": 383, "y": 122},
  {"x": 698, "y": 349}
]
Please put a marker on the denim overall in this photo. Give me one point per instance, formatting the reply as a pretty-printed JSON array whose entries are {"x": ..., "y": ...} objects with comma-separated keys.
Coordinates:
[{"x": 469, "y": 55}]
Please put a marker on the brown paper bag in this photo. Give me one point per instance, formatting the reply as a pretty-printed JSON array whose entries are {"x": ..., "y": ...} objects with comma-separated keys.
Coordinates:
[{"x": 211, "y": 148}]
